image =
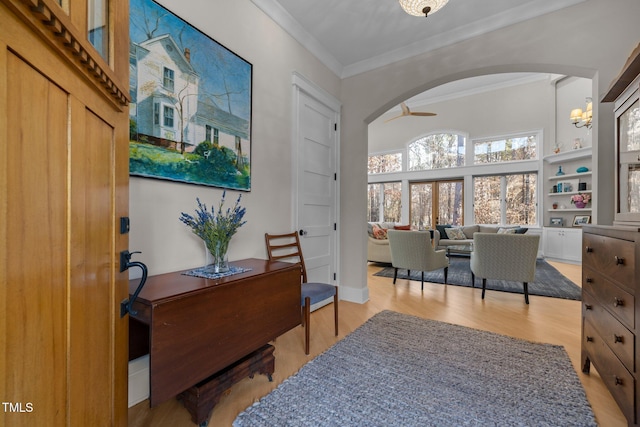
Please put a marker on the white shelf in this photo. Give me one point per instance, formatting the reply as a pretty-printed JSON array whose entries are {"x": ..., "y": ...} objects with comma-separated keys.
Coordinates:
[
  {"x": 569, "y": 176},
  {"x": 570, "y": 210},
  {"x": 569, "y": 193},
  {"x": 580, "y": 153}
]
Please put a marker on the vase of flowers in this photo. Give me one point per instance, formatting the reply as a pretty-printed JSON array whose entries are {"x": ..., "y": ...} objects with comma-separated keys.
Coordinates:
[
  {"x": 216, "y": 228},
  {"x": 580, "y": 200}
]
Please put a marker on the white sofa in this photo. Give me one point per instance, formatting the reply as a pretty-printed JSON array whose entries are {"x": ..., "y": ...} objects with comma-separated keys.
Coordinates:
[
  {"x": 441, "y": 242},
  {"x": 378, "y": 249}
]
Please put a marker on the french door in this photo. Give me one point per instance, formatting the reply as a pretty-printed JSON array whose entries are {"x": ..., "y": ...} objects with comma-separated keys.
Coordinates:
[{"x": 436, "y": 202}]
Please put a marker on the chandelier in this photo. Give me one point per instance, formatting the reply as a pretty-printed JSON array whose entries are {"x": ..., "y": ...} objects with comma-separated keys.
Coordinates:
[
  {"x": 422, "y": 7},
  {"x": 583, "y": 117}
]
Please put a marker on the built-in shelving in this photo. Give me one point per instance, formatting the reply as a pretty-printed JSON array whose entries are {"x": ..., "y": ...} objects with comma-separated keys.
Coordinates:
[
  {"x": 566, "y": 156},
  {"x": 569, "y": 176}
]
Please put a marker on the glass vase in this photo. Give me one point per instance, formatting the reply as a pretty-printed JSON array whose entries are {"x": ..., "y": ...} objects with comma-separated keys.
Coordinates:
[{"x": 218, "y": 259}]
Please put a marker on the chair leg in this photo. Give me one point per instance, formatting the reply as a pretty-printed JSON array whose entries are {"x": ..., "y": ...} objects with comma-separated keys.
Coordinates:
[
  {"x": 307, "y": 321},
  {"x": 484, "y": 286},
  {"x": 395, "y": 274},
  {"x": 526, "y": 292},
  {"x": 335, "y": 310},
  {"x": 473, "y": 280},
  {"x": 446, "y": 273},
  {"x": 422, "y": 282}
]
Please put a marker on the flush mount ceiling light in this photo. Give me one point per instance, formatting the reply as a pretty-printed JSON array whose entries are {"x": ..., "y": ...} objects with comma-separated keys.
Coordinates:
[{"x": 422, "y": 7}]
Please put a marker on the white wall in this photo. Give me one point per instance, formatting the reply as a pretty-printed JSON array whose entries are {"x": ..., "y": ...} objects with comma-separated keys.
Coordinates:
[
  {"x": 155, "y": 205},
  {"x": 592, "y": 39}
]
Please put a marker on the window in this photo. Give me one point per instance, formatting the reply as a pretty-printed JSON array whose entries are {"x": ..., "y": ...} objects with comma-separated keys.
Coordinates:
[
  {"x": 436, "y": 202},
  {"x": 384, "y": 202},
  {"x": 389, "y": 162},
  {"x": 168, "y": 116},
  {"x": 437, "y": 151},
  {"x": 98, "y": 26},
  {"x": 156, "y": 114},
  {"x": 505, "y": 199},
  {"x": 168, "y": 81},
  {"x": 505, "y": 150},
  {"x": 207, "y": 133}
]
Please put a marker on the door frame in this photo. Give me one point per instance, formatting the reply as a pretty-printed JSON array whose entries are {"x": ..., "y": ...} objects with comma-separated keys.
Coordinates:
[
  {"x": 301, "y": 84},
  {"x": 435, "y": 217}
]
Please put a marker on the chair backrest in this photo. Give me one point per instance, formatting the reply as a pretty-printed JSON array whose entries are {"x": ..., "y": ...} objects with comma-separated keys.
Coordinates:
[
  {"x": 411, "y": 249},
  {"x": 505, "y": 256},
  {"x": 286, "y": 247}
]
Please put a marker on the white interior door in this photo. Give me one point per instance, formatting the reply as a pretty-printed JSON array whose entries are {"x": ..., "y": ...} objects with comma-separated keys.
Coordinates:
[{"x": 316, "y": 141}]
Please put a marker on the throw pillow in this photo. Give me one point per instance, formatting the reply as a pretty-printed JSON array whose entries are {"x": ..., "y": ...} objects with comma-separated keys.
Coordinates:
[
  {"x": 521, "y": 230},
  {"x": 442, "y": 230},
  {"x": 379, "y": 232},
  {"x": 503, "y": 230},
  {"x": 455, "y": 234},
  {"x": 402, "y": 227}
]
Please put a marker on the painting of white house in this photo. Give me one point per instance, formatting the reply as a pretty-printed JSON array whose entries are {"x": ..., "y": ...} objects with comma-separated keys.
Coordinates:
[{"x": 190, "y": 111}]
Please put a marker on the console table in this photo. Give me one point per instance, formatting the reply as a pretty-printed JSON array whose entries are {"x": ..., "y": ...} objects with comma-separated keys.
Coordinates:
[{"x": 195, "y": 328}]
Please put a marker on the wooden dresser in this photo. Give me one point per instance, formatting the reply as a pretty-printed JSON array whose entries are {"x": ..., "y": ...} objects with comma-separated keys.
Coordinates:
[{"x": 610, "y": 301}]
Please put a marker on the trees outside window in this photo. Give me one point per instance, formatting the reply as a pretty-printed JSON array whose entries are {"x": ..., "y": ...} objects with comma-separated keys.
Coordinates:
[
  {"x": 386, "y": 162},
  {"x": 436, "y": 151},
  {"x": 505, "y": 150},
  {"x": 384, "y": 202},
  {"x": 505, "y": 199}
]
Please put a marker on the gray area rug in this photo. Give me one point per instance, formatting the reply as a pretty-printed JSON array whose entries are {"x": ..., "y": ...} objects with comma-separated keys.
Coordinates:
[
  {"x": 401, "y": 370},
  {"x": 549, "y": 282}
]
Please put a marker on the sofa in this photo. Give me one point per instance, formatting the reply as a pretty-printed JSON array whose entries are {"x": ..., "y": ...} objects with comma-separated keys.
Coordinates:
[
  {"x": 443, "y": 238},
  {"x": 377, "y": 242}
]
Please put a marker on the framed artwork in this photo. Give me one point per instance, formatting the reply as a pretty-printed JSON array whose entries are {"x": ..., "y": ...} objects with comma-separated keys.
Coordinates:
[
  {"x": 190, "y": 111},
  {"x": 556, "y": 222},
  {"x": 580, "y": 220}
]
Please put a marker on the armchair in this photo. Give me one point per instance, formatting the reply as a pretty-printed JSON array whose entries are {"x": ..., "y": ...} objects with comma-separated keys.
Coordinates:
[
  {"x": 504, "y": 257},
  {"x": 413, "y": 250}
]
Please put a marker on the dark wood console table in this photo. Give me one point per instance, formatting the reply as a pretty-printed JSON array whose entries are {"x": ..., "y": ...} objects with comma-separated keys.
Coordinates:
[{"x": 196, "y": 327}]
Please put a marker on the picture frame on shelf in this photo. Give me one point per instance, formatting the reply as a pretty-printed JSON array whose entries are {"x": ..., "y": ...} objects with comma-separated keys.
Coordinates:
[
  {"x": 580, "y": 220},
  {"x": 556, "y": 221}
]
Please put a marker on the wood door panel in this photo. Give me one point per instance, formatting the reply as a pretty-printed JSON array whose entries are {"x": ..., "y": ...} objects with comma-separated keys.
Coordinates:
[{"x": 36, "y": 293}]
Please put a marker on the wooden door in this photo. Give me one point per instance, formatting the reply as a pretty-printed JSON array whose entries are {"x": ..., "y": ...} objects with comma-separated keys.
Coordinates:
[{"x": 64, "y": 180}]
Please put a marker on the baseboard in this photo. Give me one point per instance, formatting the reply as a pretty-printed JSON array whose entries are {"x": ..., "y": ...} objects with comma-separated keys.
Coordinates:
[{"x": 138, "y": 380}]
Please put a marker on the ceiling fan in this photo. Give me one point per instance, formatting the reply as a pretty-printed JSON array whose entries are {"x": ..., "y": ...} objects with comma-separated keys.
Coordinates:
[{"x": 407, "y": 112}]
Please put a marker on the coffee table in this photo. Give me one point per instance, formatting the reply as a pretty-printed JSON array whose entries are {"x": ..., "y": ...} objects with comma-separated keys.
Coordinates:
[{"x": 460, "y": 249}]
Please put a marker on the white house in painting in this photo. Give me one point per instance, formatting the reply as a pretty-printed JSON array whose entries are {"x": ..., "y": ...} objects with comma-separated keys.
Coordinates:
[{"x": 166, "y": 106}]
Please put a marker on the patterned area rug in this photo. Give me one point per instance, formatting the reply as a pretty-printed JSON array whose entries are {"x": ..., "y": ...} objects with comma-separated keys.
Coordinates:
[
  {"x": 549, "y": 282},
  {"x": 400, "y": 370}
]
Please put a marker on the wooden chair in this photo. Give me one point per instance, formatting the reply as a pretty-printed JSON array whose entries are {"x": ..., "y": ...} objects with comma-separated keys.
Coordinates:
[{"x": 287, "y": 247}]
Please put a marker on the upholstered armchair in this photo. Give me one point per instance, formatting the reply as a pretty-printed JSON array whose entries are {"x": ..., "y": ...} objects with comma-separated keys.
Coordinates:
[
  {"x": 413, "y": 250},
  {"x": 504, "y": 257}
]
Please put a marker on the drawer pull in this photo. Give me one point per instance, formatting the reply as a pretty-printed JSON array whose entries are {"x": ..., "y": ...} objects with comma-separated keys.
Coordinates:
[
  {"x": 589, "y": 280},
  {"x": 619, "y": 260},
  {"x": 617, "y": 338},
  {"x": 618, "y": 380},
  {"x": 588, "y": 249},
  {"x": 617, "y": 302},
  {"x": 588, "y": 307},
  {"x": 589, "y": 339}
]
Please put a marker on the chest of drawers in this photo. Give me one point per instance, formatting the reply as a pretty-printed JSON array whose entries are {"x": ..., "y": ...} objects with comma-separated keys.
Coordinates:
[{"x": 610, "y": 304}]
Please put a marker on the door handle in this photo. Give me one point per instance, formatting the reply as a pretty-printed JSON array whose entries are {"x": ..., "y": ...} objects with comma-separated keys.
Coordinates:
[
  {"x": 125, "y": 264},
  {"x": 302, "y": 232}
]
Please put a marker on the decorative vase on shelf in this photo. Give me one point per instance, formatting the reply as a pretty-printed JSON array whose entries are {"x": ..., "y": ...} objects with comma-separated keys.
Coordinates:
[
  {"x": 580, "y": 205},
  {"x": 560, "y": 172}
]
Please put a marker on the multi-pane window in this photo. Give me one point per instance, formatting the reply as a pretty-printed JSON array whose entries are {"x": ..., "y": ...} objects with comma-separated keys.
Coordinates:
[
  {"x": 384, "y": 202},
  {"x": 168, "y": 116},
  {"x": 436, "y": 151},
  {"x": 98, "y": 26},
  {"x": 388, "y": 162},
  {"x": 505, "y": 199},
  {"x": 167, "y": 79},
  {"x": 156, "y": 113},
  {"x": 207, "y": 133},
  {"x": 505, "y": 150}
]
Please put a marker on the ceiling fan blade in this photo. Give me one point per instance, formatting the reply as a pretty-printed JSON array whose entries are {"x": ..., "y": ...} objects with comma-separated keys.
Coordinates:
[
  {"x": 393, "y": 118},
  {"x": 418, "y": 113}
]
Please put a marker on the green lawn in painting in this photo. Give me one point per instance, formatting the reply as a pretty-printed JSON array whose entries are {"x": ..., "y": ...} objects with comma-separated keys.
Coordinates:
[{"x": 208, "y": 165}]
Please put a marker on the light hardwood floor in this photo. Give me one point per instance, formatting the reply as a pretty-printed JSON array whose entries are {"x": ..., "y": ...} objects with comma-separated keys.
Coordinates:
[{"x": 547, "y": 320}]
